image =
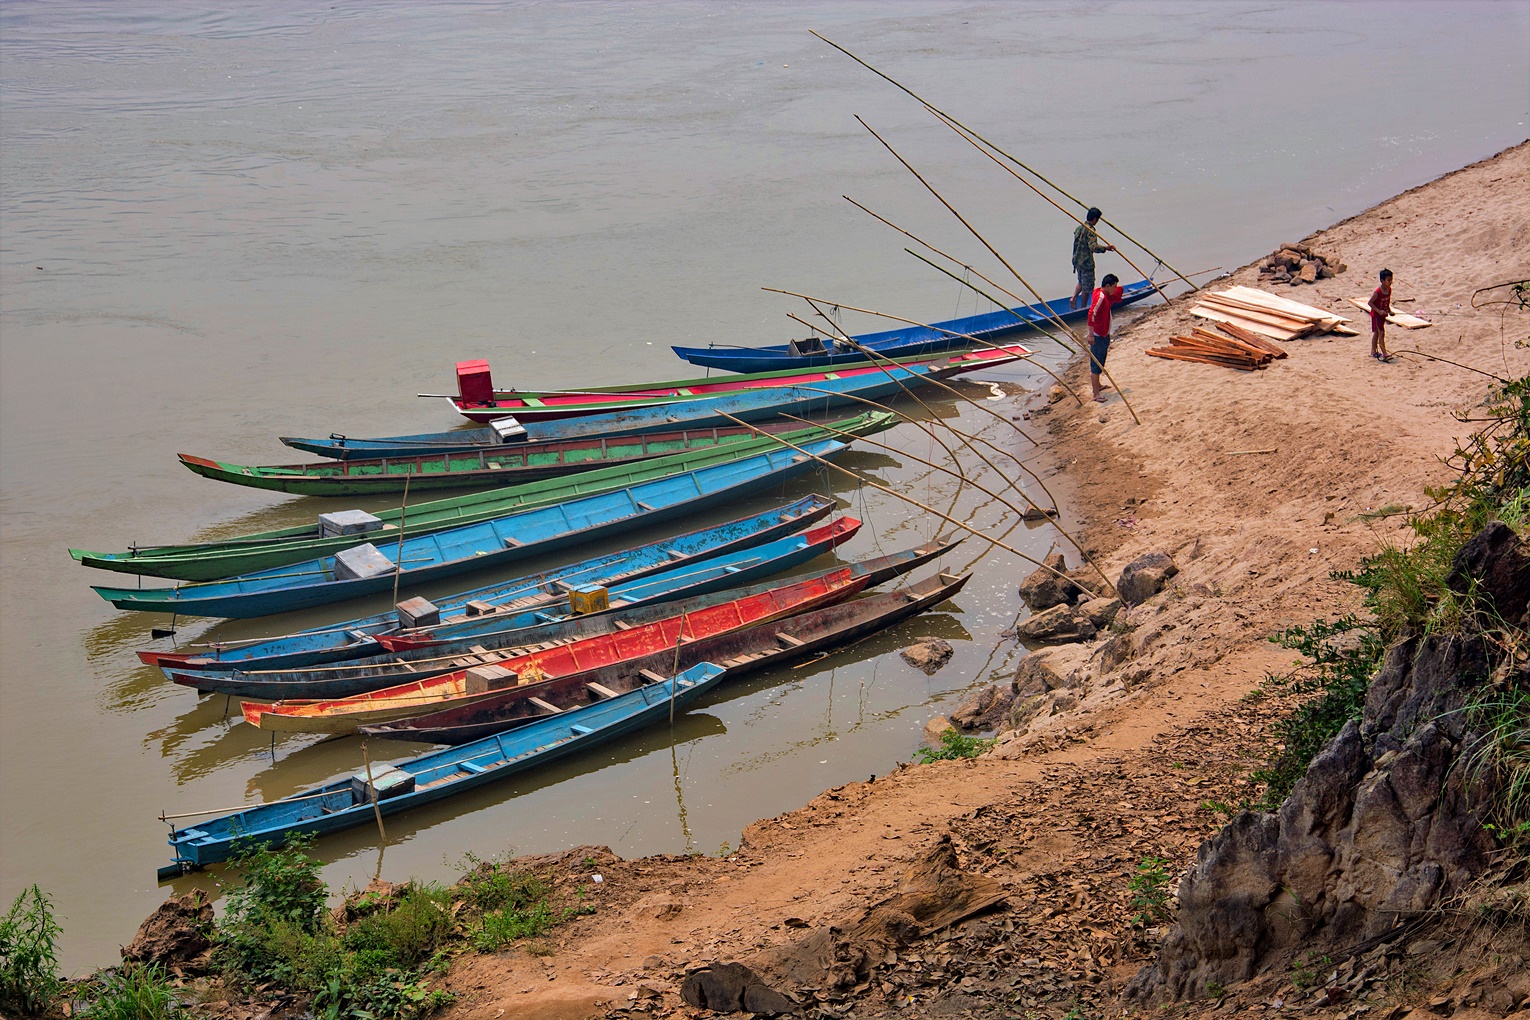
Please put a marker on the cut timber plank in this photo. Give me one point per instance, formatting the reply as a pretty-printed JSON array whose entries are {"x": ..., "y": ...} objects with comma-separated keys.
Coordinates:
[
  {"x": 648, "y": 674},
  {"x": 790, "y": 639},
  {"x": 1402, "y": 319},
  {"x": 599, "y": 691},
  {"x": 1274, "y": 302},
  {"x": 545, "y": 706},
  {"x": 1257, "y": 327}
]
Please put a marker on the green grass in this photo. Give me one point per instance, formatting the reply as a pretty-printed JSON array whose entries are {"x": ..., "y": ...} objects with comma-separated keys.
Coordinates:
[
  {"x": 952, "y": 746},
  {"x": 29, "y": 934},
  {"x": 134, "y": 992}
]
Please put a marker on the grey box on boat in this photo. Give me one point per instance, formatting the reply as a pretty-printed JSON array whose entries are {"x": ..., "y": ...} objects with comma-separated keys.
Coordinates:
[
  {"x": 347, "y": 522},
  {"x": 508, "y": 430},
  {"x": 386, "y": 780},
  {"x": 483, "y": 679},
  {"x": 361, "y": 561},
  {"x": 418, "y": 612}
]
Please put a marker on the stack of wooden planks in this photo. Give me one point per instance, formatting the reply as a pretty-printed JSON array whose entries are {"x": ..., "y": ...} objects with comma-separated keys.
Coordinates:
[
  {"x": 1278, "y": 318},
  {"x": 1239, "y": 349}
]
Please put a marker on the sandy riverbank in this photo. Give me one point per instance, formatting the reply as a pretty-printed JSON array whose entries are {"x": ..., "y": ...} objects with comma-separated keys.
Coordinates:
[{"x": 1259, "y": 485}]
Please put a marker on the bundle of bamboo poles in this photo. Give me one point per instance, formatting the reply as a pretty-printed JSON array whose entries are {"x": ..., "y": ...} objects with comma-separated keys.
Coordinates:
[
  {"x": 1275, "y": 317},
  {"x": 1239, "y": 349}
]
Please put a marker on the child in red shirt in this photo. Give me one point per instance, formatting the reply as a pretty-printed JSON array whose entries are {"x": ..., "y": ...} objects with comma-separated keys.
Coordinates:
[
  {"x": 1106, "y": 296},
  {"x": 1381, "y": 307}
]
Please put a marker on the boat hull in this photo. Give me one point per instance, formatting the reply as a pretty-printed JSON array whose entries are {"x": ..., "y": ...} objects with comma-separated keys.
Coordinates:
[
  {"x": 913, "y": 341},
  {"x": 485, "y": 545},
  {"x": 432, "y": 777},
  {"x": 741, "y": 652},
  {"x": 884, "y": 379},
  {"x": 356, "y": 638}
]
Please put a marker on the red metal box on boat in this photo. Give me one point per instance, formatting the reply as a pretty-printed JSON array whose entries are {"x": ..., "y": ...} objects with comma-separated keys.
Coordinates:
[{"x": 473, "y": 383}]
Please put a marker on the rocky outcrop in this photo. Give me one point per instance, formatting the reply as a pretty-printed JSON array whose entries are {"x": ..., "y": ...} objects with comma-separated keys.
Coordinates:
[
  {"x": 1049, "y": 585},
  {"x": 178, "y": 933},
  {"x": 1384, "y": 825},
  {"x": 984, "y": 710},
  {"x": 1057, "y": 625},
  {"x": 927, "y": 654},
  {"x": 1145, "y": 577}
]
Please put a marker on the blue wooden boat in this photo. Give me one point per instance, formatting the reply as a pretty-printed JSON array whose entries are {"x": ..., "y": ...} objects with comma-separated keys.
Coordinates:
[
  {"x": 898, "y": 343},
  {"x": 350, "y": 801},
  {"x": 754, "y": 405},
  {"x": 353, "y": 639},
  {"x": 476, "y": 546},
  {"x": 520, "y": 632}
]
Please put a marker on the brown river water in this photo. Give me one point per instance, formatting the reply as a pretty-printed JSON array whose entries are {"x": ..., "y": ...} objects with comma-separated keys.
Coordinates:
[{"x": 218, "y": 226}]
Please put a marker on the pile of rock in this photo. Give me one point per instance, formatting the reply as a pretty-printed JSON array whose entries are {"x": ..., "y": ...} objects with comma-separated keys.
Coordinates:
[{"x": 1297, "y": 263}]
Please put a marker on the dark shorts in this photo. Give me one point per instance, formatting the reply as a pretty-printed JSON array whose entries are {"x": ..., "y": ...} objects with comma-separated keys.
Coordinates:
[
  {"x": 1099, "y": 347},
  {"x": 1086, "y": 281}
]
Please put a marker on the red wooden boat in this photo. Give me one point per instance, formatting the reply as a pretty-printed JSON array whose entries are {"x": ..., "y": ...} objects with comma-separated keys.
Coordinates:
[
  {"x": 478, "y": 400},
  {"x": 343, "y": 715}
]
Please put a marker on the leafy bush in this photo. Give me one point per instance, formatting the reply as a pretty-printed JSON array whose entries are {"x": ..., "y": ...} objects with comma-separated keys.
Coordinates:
[
  {"x": 134, "y": 993},
  {"x": 276, "y": 930},
  {"x": 502, "y": 927},
  {"x": 29, "y": 953},
  {"x": 1335, "y": 680},
  {"x": 953, "y": 745},
  {"x": 272, "y": 929},
  {"x": 409, "y": 933},
  {"x": 1150, "y": 891}
]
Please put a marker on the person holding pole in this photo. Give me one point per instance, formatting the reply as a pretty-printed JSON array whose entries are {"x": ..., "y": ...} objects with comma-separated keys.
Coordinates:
[
  {"x": 1105, "y": 298},
  {"x": 1381, "y": 307},
  {"x": 1085, "y": 243}
]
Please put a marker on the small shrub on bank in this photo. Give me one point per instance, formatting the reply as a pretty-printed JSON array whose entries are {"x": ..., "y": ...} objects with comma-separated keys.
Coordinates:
[
  {"x": 952, "y": 746},
  {"x": 29, "y": 953},
  {"x": 1341, "y": 658},
  {"x": 134, "y": 993}
]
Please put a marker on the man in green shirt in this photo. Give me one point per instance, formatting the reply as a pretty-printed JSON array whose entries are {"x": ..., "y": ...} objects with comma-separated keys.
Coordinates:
[{"x": 1085, "y": 244}]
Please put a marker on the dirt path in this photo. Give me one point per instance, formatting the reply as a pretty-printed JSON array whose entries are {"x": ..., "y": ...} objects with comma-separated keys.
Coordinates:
[{"x": 1259, "y": 485}]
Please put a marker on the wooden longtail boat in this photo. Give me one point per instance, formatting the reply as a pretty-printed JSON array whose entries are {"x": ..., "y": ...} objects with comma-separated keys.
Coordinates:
[
  {"x": 502, "y": 465},
  {"x": 702, "y": 412},
  {"x": 527, "y": 405},
  {"x": 355, "y": 638},
  {"x": 478, "y": 546},
  {"x": 909, "y": 341},
  {"x": 203, "y": 561},
  {"x": 430, "y": 777},
  {"x": 343, "y": 715},
  {"x": 517, "y": 634},
  {"x": 750, "y": 649}
]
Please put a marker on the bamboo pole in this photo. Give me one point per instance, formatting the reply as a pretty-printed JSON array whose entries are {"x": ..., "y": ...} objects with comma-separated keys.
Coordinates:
[
  {"x": 1103, "y": 369},
  {"x": 372, "y": 791},
  {"x": 1017, "y": 299},
  {"x": 874, "y": 355},
  {"x": 939, "y": 383},
  {"x": 923, "y": 506},
  {"x": 398, "y": 566},
  {"x": 979, "y": 344},
  {"x": 963, "y": 221},
  {"x": 962, "y": 132},
  {"x": 981, "y": 488},
  {"x": 984, "y": 241},
  {"x": 1031, "y": 170},
  {"x": 920, "y": 424}
]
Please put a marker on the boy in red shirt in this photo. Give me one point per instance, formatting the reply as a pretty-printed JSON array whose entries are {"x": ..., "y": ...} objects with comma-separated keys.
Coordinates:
[
  {"x": 1381, "y": 307},
  {"x": 1106, "y": 296}
]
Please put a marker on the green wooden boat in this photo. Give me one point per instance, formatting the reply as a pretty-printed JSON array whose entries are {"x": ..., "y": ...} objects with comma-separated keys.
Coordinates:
[
  {"x": 206, "y": 561},
  {"x": 504, "y": 465}
]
